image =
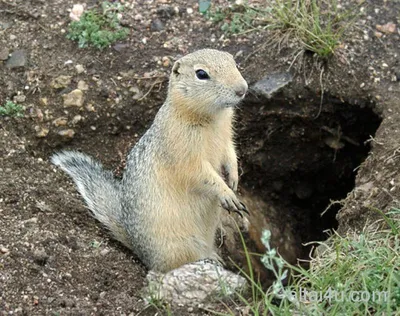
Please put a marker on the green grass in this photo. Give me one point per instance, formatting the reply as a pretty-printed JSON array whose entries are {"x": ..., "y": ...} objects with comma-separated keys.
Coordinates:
[
  {"x": 11, "y": 109},
  {"x": 318, "y": 25},
  {"x": 354, "y": 275},
  {"x": 98, "y": 28}
]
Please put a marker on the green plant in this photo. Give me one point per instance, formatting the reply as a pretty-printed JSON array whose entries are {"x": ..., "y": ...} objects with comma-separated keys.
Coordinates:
[
  {"x": 318, "y": 25},
  {"x": 99, "y": 28},
  {"x": 358, "y": 274},
  {"x": 11, "y": 109}
]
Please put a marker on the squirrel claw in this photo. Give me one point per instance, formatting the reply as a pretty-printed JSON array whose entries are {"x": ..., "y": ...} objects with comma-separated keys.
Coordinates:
[
  {"x": 244, "y": 208},
  {"x": 235, "y": 206}
]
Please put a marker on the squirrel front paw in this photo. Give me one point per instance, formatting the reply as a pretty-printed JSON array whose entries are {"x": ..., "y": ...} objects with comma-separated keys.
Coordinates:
[
  {"x": 231, "y": 203},
  {"x": 230, "y": 176}
]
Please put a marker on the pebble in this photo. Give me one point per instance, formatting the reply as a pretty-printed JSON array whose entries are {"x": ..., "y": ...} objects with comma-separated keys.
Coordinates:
[
  {"x": 61, "y": 82},
  {"x": 272, "y": 83},
  {"x": 137, "y": 94},
  {"x": 90, "y": 108},
  {"x": 4, "y": 52},
  {"x": 387, "y": 28},
  {"x": 166, "y": 62},
  {"x": 4, "y": 250},
  {"x": 74, "y": 98},
  {"x": 40, "y": 256},
  {"x": 13, "y": 37},
  {"x": 104, "y": 252},
  {"x": 82, "y": 85},
  {"x": 76, "y": 119},
  {"x": 67, "y": 133},
  {"x": 41, "y": 131},
  {"x": 189, "y": 10},
  {"x": 19, "y": 98},
  {"x": 157, "y": 25},
  {"x": 61, "y": 121},
  {"x": 17, "y": 59},
  {"x": 79, "y": 69},
  {"x": 138, "y": 17},
  {"x": 44, "y": 101}
]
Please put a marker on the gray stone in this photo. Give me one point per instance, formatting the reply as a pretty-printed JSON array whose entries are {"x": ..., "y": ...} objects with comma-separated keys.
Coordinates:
[
  {"x": 157, "y": 25},
  {"x": 272, "y": 83},
  {"x": 194, "y": 283},
  {"x": 4, "y": 52},
  {"x": 17, "y": 59}
]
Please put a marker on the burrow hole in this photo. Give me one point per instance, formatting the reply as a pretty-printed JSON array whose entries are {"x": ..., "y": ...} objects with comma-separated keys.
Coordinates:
[{"x": 299, "y": 155}]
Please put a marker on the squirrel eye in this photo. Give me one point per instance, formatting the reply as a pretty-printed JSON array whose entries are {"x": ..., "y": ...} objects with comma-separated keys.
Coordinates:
[{"x": 202, "y": 75}]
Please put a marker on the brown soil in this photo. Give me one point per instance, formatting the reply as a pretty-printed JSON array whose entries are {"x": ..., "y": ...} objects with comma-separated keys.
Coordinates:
[{"x": 295, "y": 153}]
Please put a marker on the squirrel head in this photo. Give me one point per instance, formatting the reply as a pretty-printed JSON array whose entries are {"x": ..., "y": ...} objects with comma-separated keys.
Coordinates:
[{"x": 206, "y": 82}]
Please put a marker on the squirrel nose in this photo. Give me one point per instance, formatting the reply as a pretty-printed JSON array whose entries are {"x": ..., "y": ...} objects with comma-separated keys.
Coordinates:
[{"x": 241, "y": 92}]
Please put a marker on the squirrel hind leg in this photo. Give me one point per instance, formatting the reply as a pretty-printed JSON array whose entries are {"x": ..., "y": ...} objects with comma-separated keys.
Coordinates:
[{"x": 98, "y": 187}]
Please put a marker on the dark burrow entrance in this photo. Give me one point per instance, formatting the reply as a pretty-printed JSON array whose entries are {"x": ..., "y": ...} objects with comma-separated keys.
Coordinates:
[{"x": 298, "y": 156}]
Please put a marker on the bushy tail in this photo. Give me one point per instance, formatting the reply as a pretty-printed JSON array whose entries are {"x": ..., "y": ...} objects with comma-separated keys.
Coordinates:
[{"x": 98, "y": 187}]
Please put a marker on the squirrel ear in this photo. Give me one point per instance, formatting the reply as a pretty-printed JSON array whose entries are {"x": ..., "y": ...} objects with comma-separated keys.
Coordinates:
[{"x": 175, "y": 68}]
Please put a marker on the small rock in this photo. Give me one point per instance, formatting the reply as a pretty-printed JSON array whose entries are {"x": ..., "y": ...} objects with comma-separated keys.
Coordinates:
[
  {"x": 17, "y": 59},
  {"x": 4, "y": 25},
  {"x": 378, "y": 34},
  {"x": 138, "y": 17},
  {"x": 61, "y": 121},
  {"x": 76, "y": 119},
  {"x": 44, "y": 101},
  {"x": 67, "y": 302},
  {"x": 157, "y": 25},
  {"x": 137, "y": 94},
  {"x": 119, "y": 47},
  {"x": 82, "y": 85},
  {"x": 61, "y": 82},
  {"x": 4, "y": 52},
  {"x": 79, "y": 69},
  {"x": 40, "y": 256},
  {"x": 20, "y": 98},
  {"x": 90, "y": 108},
  {"x": 193, "y": 284},
  {"x": 166, "y": 12},
  {"x": 166, "y": 62},
  {"x": 387, "y": 28},
  {"x": 397, "y": 74},
  {"x": 67, "y": 133},
  {"x": 74, "y": 98},
  {"x": 76, "y": 12},
  {"x": 13, "y": 37},
  {"x": 41, "y": 131},
  {"x": 270, "y": 84},
  {"x": 4, "y": 250},
  {"x": 189, "y": 10},
  {"x": 104, "y": 251},
  {"x": 31, "y": 221}
]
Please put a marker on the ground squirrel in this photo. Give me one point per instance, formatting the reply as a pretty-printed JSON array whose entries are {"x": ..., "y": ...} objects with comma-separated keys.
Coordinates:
[{"x": 181, "y": 172}]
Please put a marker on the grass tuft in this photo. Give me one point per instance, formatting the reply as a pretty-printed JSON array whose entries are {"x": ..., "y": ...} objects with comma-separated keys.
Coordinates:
[
  {"x": 358, "y": 274},
  {"x": 11, "y": 109},
  {"x": 319, "y": 25}
]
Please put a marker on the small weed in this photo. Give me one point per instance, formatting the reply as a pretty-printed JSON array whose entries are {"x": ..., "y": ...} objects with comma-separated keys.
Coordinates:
[
  {"x": 318, "y": 25},
  {"x": 99, "y": 28},
  {"x": 11, "y": 109}
]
